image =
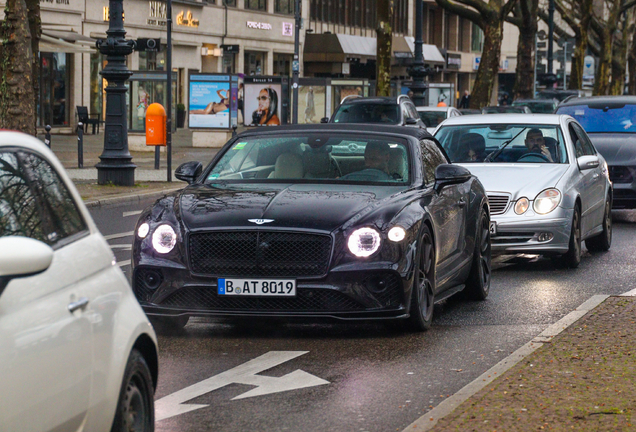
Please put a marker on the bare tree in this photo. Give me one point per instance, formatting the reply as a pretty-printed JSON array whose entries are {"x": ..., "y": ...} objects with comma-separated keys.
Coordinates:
[
  {"x": 17, "y": 99},
  {"x": 35, "y": 27},
  {"x": 577, "y": 14},
  {"x": 384, "y": 31},
  {"x": 489, "y": 16},
  {"x": 524, "y": 16}
]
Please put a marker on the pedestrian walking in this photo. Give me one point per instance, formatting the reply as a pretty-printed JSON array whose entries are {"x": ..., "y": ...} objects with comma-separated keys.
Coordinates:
[{"x": 465, "y": 100}]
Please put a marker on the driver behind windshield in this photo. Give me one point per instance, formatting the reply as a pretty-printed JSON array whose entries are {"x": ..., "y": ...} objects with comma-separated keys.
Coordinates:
[
  {"x": 535, "y": 143},
  {"x": 376, "y": 162}
]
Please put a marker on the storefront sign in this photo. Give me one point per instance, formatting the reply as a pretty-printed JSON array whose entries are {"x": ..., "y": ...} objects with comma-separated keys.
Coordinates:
[
  {"x": 158, "y": 13},
  {"x": 453, "y": 61},
  {"x": 60, "y": 2},
  {"x": 259, "y": 25},
  {"x": 288, "y": 29},
  {"x": 185, "y": 19}
]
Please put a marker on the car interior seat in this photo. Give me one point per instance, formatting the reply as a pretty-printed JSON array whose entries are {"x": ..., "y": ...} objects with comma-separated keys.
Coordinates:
[
  {"x": 551, "y": 145},
  {"x": 318, "y": 163},
  {"x": 288, "y": 166},
  {"x": 397, "y": 164}
]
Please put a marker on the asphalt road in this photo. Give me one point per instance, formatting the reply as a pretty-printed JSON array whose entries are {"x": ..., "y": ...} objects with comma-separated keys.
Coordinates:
[{"x": 362, "y": 376}]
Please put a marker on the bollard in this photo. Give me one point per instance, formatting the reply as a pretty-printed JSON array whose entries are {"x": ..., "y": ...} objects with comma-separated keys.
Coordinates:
[
  {"x": 234, "y": 127},
  {"x": 80, "y": 145},
  {"x": 47, "y": 136}
]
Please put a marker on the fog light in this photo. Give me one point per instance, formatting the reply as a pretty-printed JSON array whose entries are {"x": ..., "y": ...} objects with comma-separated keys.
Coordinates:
[
  {"x": 152, "y": 279},
  {"x": 544, "y": 237}
]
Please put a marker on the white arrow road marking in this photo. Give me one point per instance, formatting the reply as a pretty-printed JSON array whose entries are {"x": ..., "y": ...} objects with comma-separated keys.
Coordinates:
[
  {"x": 121, "y": 246},
  {"x": 119, "y": 235},
  {"x": 132, "y": 213},
  {"x": 174, "y": 404},
  {"x": 123, "y": 263}
]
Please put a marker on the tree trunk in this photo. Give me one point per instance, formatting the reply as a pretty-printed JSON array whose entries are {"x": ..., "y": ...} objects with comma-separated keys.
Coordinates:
[
  {"x": 581, "y": 33},
  {"x": 35, "y": 27},
  {"x": 631, "y": 62},
  {"x": 488, "y": 65},
  {"x": 384, "y": 32},
  {"x": 619, "y": 63},
  {"x": 17, "y": 102},
  {"x": 602, "y": 80},
  {"x": 524, "y": 80}
]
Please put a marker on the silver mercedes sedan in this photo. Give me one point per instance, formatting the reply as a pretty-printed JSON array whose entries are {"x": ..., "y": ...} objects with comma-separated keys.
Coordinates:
[{"x": 548, "y": 187}]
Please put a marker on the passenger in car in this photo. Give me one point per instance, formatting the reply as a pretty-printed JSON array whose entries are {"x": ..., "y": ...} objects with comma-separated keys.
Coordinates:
[{"x": 472, "y": 148}]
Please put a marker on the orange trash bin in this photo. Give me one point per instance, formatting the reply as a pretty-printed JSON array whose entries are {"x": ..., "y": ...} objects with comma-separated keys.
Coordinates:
[{"x": 156, "y": 125}]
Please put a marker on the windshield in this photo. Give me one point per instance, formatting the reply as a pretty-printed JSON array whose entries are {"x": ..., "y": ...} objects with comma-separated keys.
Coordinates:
[
  {"x": 503, "y": 109},
  {"x": 314, "y": 158},
  {"x": 368, "y": 113},
  {"x": 537, "y": 107},
  {"x": 605, "y": 117},
  {"x": 432, "y": 118},
  {"x": 503, "y": 143}
]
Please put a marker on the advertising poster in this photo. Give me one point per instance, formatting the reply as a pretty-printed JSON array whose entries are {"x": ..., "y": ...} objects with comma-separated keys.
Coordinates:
[
  {"x": 311, "y": 103},
  {"x": 263, "y": 102},
  {"x": 210, "y": 101}
]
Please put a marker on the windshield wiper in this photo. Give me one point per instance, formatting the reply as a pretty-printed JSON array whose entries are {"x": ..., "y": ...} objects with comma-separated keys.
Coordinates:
[{"x": 491, "y": 157}]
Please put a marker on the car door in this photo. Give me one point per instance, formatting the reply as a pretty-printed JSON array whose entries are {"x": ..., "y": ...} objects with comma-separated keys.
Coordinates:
[
  {"x": 597, "y": 192},
  {"x": 448, "y": 210},
  {"x": 45, "y": 347}
]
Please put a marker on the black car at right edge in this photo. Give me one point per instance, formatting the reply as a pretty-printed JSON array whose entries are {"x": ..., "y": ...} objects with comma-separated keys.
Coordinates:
[{"x": 610, "y": 122}]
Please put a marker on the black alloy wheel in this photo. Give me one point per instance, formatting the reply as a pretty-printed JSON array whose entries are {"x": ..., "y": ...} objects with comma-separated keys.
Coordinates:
[
  {"x": 422, "y": 297},
  {"x": 136, "y": 406},
  {"x": 603, "y": 241},
  {"x": 478, "y": 282},
  {"x": 572, "y": 258}
]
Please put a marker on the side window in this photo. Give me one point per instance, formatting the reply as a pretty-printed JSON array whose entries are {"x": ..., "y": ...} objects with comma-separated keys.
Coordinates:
[
  {"x": 405, "y": 112},
  {"x": 588, "y": 148},
  {"x": 431, "y": 158},
  {"x": 61, "y": 216},
  {"x": 412, "y": 111},
  {"x": 578, "y": 145}
]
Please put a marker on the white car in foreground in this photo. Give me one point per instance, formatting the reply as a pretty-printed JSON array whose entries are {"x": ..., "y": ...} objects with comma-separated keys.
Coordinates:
[{"x": 76, "y": 350}]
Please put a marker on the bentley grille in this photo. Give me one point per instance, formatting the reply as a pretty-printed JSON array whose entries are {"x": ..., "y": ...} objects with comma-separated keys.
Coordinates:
[
  {"x": 498, "y": 203},
  {"x": 259, "y": 254}
]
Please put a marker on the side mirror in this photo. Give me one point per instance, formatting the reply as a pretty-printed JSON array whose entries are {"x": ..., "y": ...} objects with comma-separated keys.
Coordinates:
[
  {"x": 324, "y": 120},
  {"x": 587, "y": 162},
  {"x": 410, "y": 121},
  {"x": 449, "y": 174},
  {"x": 189, "y": 171},
  {"x": 22, "y": 257}
]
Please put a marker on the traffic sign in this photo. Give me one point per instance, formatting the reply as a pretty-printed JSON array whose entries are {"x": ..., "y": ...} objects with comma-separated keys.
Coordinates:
[{"x": 542, "y": 44}]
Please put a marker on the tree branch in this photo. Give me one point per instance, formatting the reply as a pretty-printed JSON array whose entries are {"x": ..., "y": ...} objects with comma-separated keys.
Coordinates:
[{"x": 462, "y": 11}]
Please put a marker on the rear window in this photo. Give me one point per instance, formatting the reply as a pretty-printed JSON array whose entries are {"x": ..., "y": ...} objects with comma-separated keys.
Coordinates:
[
  {"x": 432, "y": 118},
  {"x": 368, "y": 113},
  {"x": 607, "y": 117}
]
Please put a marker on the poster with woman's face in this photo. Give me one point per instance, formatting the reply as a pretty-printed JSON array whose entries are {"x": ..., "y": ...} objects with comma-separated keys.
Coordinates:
[
  {"x": 209, "y": 104},
  {"x": 262, "y": 104},
  {"x": 311, "y": 104}
]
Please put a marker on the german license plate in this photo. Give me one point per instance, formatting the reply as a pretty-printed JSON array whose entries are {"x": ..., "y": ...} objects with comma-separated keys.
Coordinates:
[
  {"x": 257, "y": 287},
  {"x": 493, "y": 228}
]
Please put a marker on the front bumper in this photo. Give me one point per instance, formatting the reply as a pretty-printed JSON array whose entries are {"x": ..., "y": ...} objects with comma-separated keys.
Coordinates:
[
  {"x": 522, "y": 233},
  {"x": 624, "y": 186},
  {"x": 379, "y": 292}
]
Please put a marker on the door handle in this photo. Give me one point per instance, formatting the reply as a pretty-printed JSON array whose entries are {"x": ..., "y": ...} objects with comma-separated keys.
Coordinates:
[{"x": 80, "y": 304}]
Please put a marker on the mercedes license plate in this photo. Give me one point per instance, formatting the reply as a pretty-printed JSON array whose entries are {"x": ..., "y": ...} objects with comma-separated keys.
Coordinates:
[
  {"x": 257, "y": 287},
  {"x": 493, "y": 228}
]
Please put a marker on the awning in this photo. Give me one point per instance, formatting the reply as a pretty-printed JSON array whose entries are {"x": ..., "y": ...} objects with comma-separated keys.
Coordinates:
[
  {"x": 51, "y": 44},
  {"x": 431, "y": 52},
  {"x": 69, "y": 36}
]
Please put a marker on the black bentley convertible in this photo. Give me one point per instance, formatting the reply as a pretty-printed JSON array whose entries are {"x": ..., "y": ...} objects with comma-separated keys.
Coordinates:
[{"x": 348, "y": 222}]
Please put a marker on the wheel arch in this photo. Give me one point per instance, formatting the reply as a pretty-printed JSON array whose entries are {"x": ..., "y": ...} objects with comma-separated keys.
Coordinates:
[{"x": 145, "y": 345}]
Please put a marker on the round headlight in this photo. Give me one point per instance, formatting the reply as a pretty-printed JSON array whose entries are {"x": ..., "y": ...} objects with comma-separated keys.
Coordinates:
[
  {"x": 364, "y": 242},
  {"x": 522, "y": 205},
  {"x": 143, "y": 230},
  {"x": 397, "y": 234},
  {"x": 164, "y": 239},
  {"x": 547, "y": 201}
]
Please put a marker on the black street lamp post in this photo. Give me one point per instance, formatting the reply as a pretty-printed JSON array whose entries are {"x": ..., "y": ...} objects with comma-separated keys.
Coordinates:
[
  {"x": 418, "y": 71},
  {"x": 116, "y": 165}
]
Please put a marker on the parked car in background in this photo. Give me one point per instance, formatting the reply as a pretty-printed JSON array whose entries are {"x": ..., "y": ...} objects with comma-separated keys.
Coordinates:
[
  {"x": 335, "y": 221},
  {"x": 538, "y": 106},
  {"x": 469, "y": 111},
  {"x": 76, "y": 350},
  {"x": 610, "y": 122},
  {"x": 433, "y": 116},
  {"x": 382, "y": 110},
  {"x": 560, "y": 94},
  {"x": 547, "y": 186},
  {"x": 506, "y": 109}
]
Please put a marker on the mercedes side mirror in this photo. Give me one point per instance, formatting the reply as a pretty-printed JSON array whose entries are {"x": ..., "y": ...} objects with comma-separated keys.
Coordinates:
[
  {"x": 189, "y": 171},
  {"x": 587, "y": 162}
]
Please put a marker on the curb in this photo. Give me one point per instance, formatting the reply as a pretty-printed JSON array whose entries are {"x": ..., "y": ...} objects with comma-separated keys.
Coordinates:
[
  {"x": 430, "y": 419},
  {"x": 127, "y": 199}
]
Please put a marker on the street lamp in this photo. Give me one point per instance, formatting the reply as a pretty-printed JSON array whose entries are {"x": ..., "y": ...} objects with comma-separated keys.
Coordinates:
[
  {"x": 296, "y": 62},
  {"x": 116, "y": 165},
  {"x": 418, "y": 71}
]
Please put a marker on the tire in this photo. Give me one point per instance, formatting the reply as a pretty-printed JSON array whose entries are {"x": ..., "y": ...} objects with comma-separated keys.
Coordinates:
[
  {"x": 603, "y": 241},
  {"x": 572, "y": 258},
  {"x": 422, "y": 297},
  {"x": 478, "y": 282},
  {"x": 136, "y": 406},
  {"x": 168, "y": 325}
]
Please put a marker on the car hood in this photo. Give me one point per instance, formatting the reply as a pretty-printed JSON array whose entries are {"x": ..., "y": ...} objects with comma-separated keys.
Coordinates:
[
  {"x": 616, "y": 148},
  {"x": 308, "y": 206},
  {"x": 518, "y": 179}
]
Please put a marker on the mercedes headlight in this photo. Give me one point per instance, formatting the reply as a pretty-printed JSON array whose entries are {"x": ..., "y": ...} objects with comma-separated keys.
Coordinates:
[
  {"x": 164, "y": 239},
  {"x": 547, "y": 201},
  {"x": 522, "y": 205},
  {"x": 364, "y": 242}
]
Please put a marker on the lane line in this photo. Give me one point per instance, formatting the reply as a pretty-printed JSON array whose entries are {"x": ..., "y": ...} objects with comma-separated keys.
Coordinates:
[
  {"x": 631, "y": 293},
  {"x": 124, "y": 246},
  {"x": 132, "y": 213},
  {"x": 123, "y": 263},
  {"x": 119, "y": 235}
]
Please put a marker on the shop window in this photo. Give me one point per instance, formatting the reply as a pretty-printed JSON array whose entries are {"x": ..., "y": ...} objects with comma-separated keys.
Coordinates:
[
  {"x": 284, "y": 6},
  {"x": 146, "y": 88},
  {"x": 282, "y": 64},
  {"x": 96, "y": 85},
  {"x": 153, "y": 60},
  {"x": 55, "y": 78},
  {"x": 229, "y": 3},
  {"x": 260, "y": 5},
  {"x": 477, "y": 40}
]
